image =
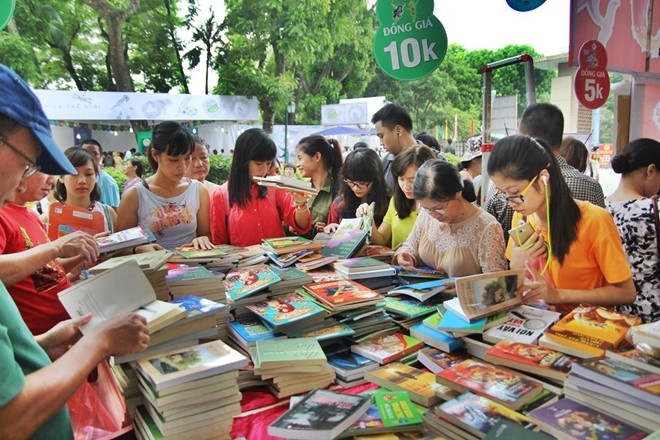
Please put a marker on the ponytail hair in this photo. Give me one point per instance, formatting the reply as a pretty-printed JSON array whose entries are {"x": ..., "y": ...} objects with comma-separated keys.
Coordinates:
[
  {"x": 639, "y": 153},
  {"x": 415, "y": 156},
  {"x": 330, "y": 151},
  {"x": 439, "y": 180},
  {"x": 523, "y": 158}
]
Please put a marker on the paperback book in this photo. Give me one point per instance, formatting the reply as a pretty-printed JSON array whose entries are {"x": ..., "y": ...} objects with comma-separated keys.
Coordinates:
[
  {"x": 392, "y": 412},
  {"x": 436, "y": 360},
  {"x": 422, "y": 291},
  {"x": 190, "y": 253},
  {"x": 525, "y": 324},
  {"x": 285, "y": 245},
  {"x": 286, "y": 310},
  {"x": 341, "y": 294},
  {"x": 287, "y": 184},
  {"x": 486, "y": 294},
  {"x": 360, "y": 264},
  {"x": 124, "y": 239},
  {"x": 435, "y": 338},
  {"x": 345, "y": 243},
  {"x": 346, "y": 363},
  {"x": 408, "y": 307},
  {"x": 275, "y": 353},
  {"x": 247, "y": 281},
  {"x": 251, "y": 330},
  {"x": 531, "y": 358},
  {"x": 400, "y": 377},
  {"x": 387, "y": 348}
]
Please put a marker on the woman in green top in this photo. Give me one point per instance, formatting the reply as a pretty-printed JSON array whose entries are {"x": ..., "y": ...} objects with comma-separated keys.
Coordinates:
[
  {"x": 320, "y": 160},
  {"x": 402, "y": 211}
]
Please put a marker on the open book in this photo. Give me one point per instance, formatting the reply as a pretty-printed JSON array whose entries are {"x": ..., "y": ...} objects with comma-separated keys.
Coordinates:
[
  {"x": 486, "y": 294},
  {"x": 120, "y": 290},
  {"x": 422, "y": 291},
  {"x": 287, "y": 184}
]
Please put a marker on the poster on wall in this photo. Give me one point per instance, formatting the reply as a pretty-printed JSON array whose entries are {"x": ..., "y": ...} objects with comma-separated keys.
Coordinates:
[{"x": 143, "y": 139}]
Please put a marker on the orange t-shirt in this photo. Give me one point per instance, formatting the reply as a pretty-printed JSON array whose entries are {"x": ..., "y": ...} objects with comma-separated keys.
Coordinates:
[{"x": 595, "y": 259}]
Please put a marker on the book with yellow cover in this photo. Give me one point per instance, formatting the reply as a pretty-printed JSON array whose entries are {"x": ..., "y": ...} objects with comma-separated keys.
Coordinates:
[
  {"x": 592, "y": 330},
  {"x": 400, "y": 377},
  {"x": 531, "y": 358}
]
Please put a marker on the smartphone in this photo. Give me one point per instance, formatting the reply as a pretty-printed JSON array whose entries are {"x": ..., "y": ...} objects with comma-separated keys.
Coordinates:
[{"x": 521, "y": 233}]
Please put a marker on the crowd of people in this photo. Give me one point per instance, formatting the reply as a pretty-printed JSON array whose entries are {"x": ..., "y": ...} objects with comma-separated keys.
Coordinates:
[{"x": 583, "y": 249}]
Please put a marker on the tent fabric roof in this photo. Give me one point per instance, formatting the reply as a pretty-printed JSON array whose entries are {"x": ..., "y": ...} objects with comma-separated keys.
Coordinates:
[{"x": 340, "y": 129}]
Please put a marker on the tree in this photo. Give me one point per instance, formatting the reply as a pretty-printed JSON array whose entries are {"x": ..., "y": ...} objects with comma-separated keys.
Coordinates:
[{"x": 209, "y": 35}]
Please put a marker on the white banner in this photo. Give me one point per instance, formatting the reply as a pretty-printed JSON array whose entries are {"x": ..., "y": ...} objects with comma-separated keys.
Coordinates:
[
  {"x": 114, "y": 106},
  {"x": 345, "y": 114}
]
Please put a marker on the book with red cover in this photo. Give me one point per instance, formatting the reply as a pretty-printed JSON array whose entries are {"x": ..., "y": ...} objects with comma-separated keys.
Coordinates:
[
  {"x": 592, "y": 330},
  {"x": 531, "y": 358},
  {"x": 498, "y": 384},
  {"x": 387, "y": 348},
  {"x": 343, "y": 294}
]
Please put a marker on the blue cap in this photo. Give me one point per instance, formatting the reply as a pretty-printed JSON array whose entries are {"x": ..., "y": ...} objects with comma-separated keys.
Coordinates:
[{"x": 21, "y": 104}]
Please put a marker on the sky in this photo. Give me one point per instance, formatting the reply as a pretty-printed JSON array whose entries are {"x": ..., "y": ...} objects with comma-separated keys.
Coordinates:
[{"x": 474, "y": 24}]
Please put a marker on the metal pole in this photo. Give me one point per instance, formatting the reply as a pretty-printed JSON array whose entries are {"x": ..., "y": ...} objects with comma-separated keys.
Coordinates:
[{"x": 286, "y": 135}]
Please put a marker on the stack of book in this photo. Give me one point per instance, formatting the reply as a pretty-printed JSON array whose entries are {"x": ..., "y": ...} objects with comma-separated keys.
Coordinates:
[
  {"x": 342, "y": 295},
  {"x": 293, "y": 313},
  {"x": 367, "y": 322},
  {"x": 204, "y": 309},
  {"x": 396, "y": 376},
  {"x": 222, "y": 257},
  {"x": 244, "y": 334},
  {"x": 363, "y": 267},
  {"x": 127, "y": 381},
  {"x": 349, "y": 367},
  {"x": 647, "y": 334},
  {"x": 190, "y": 392},
  {"x": 288, "y": 245},
  {"x": 197, "y": 280},
  {"x": 428, "y": 331},
  {"x": 292, "y": 366},
  {"x": 618, "y": 388},
  {"x": 290, "y": 280},
  {"x": 387, "y": 348},
  {"x": 588, "y": 331},
  {"x": 152, "y": 264}
]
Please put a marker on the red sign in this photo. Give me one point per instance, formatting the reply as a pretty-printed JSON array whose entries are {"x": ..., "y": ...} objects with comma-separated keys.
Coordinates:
[{"x": 592, "y": 82}]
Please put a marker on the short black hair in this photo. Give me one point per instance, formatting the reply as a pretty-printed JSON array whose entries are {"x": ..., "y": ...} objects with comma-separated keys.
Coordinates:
[
  {"x": 392, "y": 115},
  {"x": 543, "y": 121},
  {"x": 91, "y": 141}
]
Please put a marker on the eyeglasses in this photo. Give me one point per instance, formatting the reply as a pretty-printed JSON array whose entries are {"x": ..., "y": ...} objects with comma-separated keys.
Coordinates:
[
  {"x": 29, "y": 169},
  {"x": 437, "y": 209},
  {"x": 358, "y": 185},
  {"x": 520, "y": 198}
]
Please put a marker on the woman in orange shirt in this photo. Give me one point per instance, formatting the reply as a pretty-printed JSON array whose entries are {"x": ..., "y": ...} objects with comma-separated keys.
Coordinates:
[{"x": 577, "y": 244}]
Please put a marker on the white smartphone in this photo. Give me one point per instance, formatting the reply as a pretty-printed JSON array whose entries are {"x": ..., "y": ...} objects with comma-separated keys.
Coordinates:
[{"x": 521, "y": 233}]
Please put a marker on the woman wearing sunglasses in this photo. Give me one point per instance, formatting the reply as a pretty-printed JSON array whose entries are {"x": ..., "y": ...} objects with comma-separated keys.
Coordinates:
[
  {"x": 451, "y": 233},
  {"x": 362, "y": 182},
  {"x": 575, "y": 254}
]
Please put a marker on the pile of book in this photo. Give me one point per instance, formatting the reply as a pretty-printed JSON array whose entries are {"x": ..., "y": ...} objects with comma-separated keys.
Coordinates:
[
  {"x": 288, "y": 245},
  {"x": 342, "y": 295},
  {"x": 220, "y": 258},
  {"x": 152, "y": 264},
  {"x": 190, "y": 392},
  {"x": 349, "y": 367},
  {"x": 428, "y": 331},
  {"x": 197, "y": 280},
  {"x": 291, "y": 366},
  {"x": 293, "y": 314},
  {"x": 126, "y": 378},
  {"x": 363, "y": 267},
  {"x": 419, "y": 384}
]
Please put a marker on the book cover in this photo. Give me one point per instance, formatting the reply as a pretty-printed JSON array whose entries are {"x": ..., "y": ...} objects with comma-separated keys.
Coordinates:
[
  {"x": 341, "y": 292},
  {"x": 396, "y": 409},
  {"x": 184, "y": 275},
  {"x": 503, "y": 386},
  {"x": 386, "y": 348},
  {"x": 525, "y": 324},
  {"x": 400, "y": 377},
  {"x": 422, "y": 291},
  {"x": 332, "y": 331},
  {"x": 246, "y": 281},
  {"x": 592, "y": 329},
  {"x": 286, "y": 244},
  {"x": 360, "y": 264},
  {"x": 347, "y": 363},
  {"x": 192, "y": 363},
  {"x": 434, "y": 338},
  {"x": 569, "y": 419},
  {"x": 408, "y": 307},
  {"x": 637, "y": 358},
  {"x": 252, "y": 330},
  {"x": 478, "y": 414},
  {"x": 197, "y": 306},
  {"x": 485, "y": 294},
  {"x": 122, "y": 240},
  {"x": 532, "y": 358},
  {"x": 436, "y": 360},
  {"x": 285, "y": 352},
  {"x": 189, "y": 252},
  {"x": 321, "y": 414},
  {"x": 286, "y": 309},
  {"x": 345, "y": 243},
  {"x": 65, "y": 219}
]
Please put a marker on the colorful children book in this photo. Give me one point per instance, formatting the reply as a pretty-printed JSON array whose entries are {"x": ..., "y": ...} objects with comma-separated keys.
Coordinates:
[
  {"x": 436, "y": 360},
  {"x": 485, "y": 294},
  {"x": 400, "y": 377},
  {"x": 345, "y": 243},
  {"x": 342, "y": 294},
  {"x": 592, "y": 330},
  {"x": 531, "y": 358},
  {"x": 387, "y": 348},
  {"x": 189, "y": 252},
  {"x": 422, "y": 291},
  {"x": 408, "y": 307},
  {"x": 124, "y": 239},
  {"x": 525, "y": 324},
  {"x": 495, "y": 383},
  {"x": 435, "y": 338},
  {"x": 478, "y": 415},
  {"x": 243, "y": 282},
  {"x": 251, "y": 330},
  {"x": 286, "y": 310},
  {"x": 321, "y": 414},
  {"x": 285, "y": 245},
  {"x": 567, "y": 419},
  {"x": 639, "y": 382}
]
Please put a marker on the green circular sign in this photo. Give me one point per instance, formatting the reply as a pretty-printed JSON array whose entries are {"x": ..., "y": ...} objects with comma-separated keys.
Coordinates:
[
  {"x": 410, "y": 42},
  {"x": 6, "y": 12}
]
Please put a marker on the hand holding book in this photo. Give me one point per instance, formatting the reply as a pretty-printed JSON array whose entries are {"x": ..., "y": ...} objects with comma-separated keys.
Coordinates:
[
  {"x": 76, "y": 244},
  {"x": 538, "y": 289}
]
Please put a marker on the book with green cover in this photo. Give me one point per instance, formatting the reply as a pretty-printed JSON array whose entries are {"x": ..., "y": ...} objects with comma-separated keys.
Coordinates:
[
  {"x": 345, "y": 243},
  {"x": 283, "y": 352},
  {"x": 189, "y": 252},
  {"x": 407, "y": 307}
]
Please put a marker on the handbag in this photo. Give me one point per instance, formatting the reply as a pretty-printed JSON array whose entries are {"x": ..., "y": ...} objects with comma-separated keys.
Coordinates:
[{"x": 656, "y": 221}]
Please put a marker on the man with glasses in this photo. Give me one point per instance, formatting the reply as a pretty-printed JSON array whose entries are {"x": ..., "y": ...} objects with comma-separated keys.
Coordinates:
[
  {"x": 39, "y": 374},
  {"x": 546, "y": 122}
]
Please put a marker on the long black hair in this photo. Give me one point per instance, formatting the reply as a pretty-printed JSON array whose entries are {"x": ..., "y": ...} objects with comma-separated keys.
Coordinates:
[
  {"x": 415, "y": 156},
  {"x": 79, "y": 157},
  {"x": 252, "y": 144},
  {"x": 439, "y": 180},
  {"x": 330, "y": 151},
  {"x": 171, "y": 138},
  {"x": 523, "y": 158},
  {"x": 363, "y": 165}
]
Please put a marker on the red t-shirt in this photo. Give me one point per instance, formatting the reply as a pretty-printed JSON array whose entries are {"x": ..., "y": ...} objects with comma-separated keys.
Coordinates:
[{"x": 36, "y": 294}]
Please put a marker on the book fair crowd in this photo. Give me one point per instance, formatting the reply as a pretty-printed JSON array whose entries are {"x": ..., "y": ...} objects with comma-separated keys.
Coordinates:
[{"x": 541, "y": 215}]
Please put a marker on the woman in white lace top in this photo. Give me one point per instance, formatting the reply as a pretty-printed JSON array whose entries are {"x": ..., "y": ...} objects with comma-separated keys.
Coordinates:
[{"x": 451, "y": 233}]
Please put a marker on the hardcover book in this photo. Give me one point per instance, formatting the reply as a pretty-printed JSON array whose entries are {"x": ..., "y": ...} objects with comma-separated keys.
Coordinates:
[
  {"x": 592, "y": 330},
  {"x": 502, "y": 386},
  {"x": 387, "y": 348},
  {"x": 478, "y": 415},
  {"x": 342, "y": 292},
  {"x": 167, "y": 370},
  {"x": 284, "y": 310},
  {"x": 485, "y": 294},
  {"x": 321, "y": 414},
  {"x": 531, "y": 358},
  {"x": 400, "y": 377},
  {"x": 345, "y": 243},
  {"x": 568, "y": 419},
  {"x": 525, "y": 324},
  {"x": 246, "y": 281}
]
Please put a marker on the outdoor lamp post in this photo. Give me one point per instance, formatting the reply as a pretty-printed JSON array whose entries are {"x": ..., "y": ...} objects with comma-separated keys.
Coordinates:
[{"x": 290, "y": 108}]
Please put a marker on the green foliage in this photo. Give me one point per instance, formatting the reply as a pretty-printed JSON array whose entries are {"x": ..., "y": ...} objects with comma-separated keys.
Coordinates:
[
  {"x": 219, "y": 170},
  {"x": 451, "y": 158},
  {"x": 118, "y": 175}
]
